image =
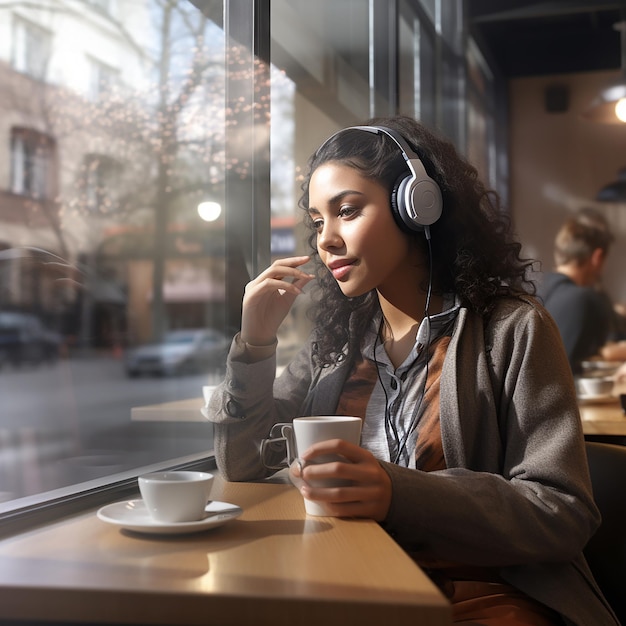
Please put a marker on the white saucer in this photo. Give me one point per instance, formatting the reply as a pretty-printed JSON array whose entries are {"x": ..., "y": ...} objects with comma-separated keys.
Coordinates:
[{"x": 133, "y": 515}]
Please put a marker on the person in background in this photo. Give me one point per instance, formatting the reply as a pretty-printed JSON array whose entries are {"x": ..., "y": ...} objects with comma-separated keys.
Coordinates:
[
  {"x": 616, "y": 351},
  {"x": 571, "y": 294},
  {"x": 615, "y": 348},
  {"x": 620, "y": 374},
  {"x": 472, "y": 455}
]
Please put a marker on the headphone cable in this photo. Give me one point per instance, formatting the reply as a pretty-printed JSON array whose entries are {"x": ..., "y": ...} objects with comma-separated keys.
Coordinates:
[
  {"x": 426, "y": 348},
  {"x": 390, "y": 425}
]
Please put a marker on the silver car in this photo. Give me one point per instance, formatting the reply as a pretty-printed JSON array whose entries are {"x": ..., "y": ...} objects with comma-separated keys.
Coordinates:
[{"x": 182, "y": 351}]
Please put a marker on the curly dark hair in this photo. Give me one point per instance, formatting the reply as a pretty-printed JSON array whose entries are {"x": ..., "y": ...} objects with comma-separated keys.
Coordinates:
[{"x": 474, "y": 254}]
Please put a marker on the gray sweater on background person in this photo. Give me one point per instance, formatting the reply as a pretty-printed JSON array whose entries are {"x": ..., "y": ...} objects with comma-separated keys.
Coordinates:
[
  {"x": 583, "y": 315},
  {"x": 516, "y": 494}
]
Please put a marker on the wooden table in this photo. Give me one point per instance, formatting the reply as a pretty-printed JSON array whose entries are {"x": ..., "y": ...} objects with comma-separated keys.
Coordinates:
[
  {"x": 273, "y": 565},
  {"x": 605, "y": 417}
]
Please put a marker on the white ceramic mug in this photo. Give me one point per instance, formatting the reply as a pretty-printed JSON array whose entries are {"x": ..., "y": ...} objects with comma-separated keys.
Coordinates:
[
  {"x": 176, "y": 496},
  {"x": 303, "y": 432},
  {"x": 595, "y": 386}
]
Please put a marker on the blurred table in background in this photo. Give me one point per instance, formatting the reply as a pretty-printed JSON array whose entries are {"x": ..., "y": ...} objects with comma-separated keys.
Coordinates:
[
  {"x": 605, "y": 416},
  {"x": 177, "y": 411}
]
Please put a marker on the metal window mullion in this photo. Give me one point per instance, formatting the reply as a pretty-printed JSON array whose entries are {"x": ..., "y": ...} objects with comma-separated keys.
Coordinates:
[
  {"x": 247, "y": 149},
  {"x": 383, "y": 57}
]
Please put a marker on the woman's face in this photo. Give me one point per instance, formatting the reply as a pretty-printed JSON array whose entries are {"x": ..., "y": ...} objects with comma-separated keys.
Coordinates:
[{"x": 357, "y": 236}]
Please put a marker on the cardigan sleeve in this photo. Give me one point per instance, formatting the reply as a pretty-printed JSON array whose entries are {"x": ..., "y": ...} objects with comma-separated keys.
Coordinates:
[{"x": 248, "y": 402}]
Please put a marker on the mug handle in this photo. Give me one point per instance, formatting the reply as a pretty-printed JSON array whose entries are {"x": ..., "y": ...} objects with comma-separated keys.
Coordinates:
[{"x": 278, "y": 433}]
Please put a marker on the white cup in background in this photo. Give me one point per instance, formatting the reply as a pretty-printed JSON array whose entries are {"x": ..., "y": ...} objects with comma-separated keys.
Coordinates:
[
  {"x": 303, "y": 432},
  {"x": 176, "y": 496},
  {"x": 595, "y": 386}
]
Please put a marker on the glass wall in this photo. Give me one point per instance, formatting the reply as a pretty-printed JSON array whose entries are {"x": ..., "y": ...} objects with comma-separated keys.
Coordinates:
[
  {"x": 417, "y": 59},
  {"x": 327, "y": 69},
  {"x": 112, "y": 193},
  {"x": 154, "y": 154}
]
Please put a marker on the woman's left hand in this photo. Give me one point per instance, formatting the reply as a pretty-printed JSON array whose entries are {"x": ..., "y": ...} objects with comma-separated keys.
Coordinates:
[{"x": 369, "y": 492}]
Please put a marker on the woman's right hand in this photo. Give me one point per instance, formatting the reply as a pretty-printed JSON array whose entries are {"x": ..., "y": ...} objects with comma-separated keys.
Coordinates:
[{"x": 268, "y": 298}]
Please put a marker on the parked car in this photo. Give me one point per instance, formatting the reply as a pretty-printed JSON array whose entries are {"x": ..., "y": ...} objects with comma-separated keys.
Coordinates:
[
  {"x": 189, "y": 350},
  {"x": 25, "y": 340}
]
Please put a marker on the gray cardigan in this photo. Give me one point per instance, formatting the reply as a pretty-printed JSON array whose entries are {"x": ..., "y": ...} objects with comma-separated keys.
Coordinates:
[{"x": 516, "y": 493}]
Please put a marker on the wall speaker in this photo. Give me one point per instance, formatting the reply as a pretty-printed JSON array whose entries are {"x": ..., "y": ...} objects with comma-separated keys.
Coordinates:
[{"x": 557, "y": 98}]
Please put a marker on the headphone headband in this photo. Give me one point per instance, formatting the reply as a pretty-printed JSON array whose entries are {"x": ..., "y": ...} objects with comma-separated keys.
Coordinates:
[{"x": 407, "y": 152}]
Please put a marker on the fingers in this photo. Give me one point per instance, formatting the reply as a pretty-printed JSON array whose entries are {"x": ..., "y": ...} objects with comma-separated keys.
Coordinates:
[
  {"x": 365, "y": 489},
  {"x": 284, "y": 269},
  {"x": 371, "y": 500},
  {"x": 275, "y": 287},
  {"x": 350, "y": 451},
  {"x": 269, "y": 297}
]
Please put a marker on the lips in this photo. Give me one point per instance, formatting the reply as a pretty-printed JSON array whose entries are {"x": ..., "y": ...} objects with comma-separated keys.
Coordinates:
[{"x": 341, "y": 268}]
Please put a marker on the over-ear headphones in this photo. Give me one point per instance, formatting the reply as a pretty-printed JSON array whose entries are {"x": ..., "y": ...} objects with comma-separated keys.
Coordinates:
[{"x": 416, "y": 199}]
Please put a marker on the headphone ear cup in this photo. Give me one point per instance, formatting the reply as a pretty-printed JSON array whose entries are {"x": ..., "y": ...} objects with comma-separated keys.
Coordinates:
[
  {"x": 415, "y": 203},
  {"x": 398, "y": 206},
  {"x": 425, "y": 205}
]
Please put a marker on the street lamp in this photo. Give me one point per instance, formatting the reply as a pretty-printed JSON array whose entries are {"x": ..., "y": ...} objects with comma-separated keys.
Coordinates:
[{"x": 209, "y": 211}]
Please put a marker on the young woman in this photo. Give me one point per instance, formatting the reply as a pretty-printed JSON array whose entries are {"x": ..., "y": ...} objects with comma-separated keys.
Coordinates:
[{"x": 472, "y": 454}]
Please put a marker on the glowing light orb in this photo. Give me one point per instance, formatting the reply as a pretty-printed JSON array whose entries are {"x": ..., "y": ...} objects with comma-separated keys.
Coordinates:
[{"x": 209, "y": 211}]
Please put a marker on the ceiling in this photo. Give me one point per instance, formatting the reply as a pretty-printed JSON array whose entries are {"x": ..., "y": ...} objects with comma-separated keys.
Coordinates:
[{"x": 558, "y": 37}]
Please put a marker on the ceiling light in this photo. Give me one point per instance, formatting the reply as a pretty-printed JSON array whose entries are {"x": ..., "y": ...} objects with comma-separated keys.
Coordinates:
[
  {"x": 610, "y": 105},
  {"x": 616, "y": 191},
  {"x": 620, "y": 109}
]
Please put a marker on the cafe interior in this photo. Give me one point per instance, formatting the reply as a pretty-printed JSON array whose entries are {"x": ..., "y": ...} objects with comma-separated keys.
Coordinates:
[{"x": 155, "y": 153}]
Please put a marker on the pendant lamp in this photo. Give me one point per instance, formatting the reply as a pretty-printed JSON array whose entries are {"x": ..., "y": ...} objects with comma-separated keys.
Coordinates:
[
  {"x": 616, "y": 191},
  {"x": 610, "y": 105}
]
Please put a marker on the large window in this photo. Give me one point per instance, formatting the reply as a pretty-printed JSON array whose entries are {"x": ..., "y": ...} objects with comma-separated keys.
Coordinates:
[
  {"x": 113, "y": 295},
  {"x": 171, "y": 176}
]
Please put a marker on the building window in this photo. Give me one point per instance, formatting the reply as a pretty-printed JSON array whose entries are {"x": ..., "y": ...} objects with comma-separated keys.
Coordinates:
[
  {"x": 102, "y": 5},
  {"x": 31, "y": 161},
  {"x": 31, "y": 48},
  {"x": 102, "y": 78},
  {"x": 101, "y": 183}
]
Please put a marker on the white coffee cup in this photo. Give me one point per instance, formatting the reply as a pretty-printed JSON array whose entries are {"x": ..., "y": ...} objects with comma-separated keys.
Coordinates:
[
  {"x": 176, "y": 496},
  {"x": 303, "y": 432},
  {"x": 595, "y": 386}
]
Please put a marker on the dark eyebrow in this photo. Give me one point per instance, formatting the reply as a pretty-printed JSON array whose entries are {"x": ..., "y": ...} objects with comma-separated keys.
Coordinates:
[{"x": 338, "y": 197}]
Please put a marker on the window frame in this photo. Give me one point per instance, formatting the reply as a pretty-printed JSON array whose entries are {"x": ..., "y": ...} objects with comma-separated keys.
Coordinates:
[
  {"x": 25, "y": 34},
  {"x": 100, "y": 171},
  {"x": 32, "y": 163},
  {"x": 102, "y": 78}
]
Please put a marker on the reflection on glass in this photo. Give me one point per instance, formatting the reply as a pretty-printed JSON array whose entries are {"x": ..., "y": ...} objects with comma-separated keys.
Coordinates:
[
  {"x": 113, "y": 204},
  {"x": 112, "y": 127},
  {"x": 319, "y": 82}
]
